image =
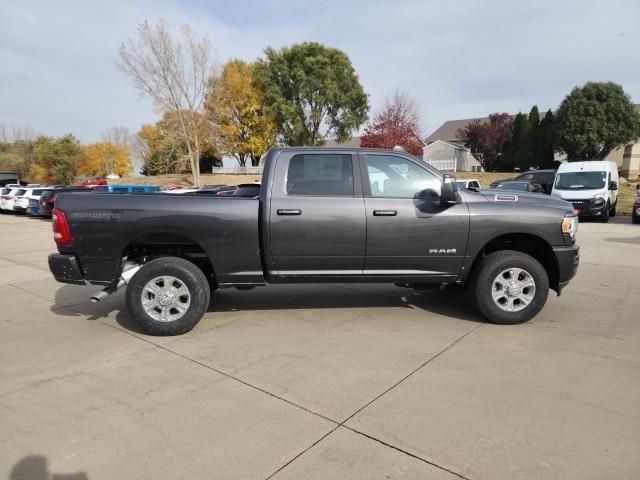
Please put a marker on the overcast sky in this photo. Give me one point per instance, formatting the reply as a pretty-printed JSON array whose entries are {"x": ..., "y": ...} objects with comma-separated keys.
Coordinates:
[{"x": 459, "y": 59}]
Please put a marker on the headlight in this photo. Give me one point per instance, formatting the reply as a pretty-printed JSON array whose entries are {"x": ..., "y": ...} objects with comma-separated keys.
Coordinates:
[{"x": 570, "y": 226}]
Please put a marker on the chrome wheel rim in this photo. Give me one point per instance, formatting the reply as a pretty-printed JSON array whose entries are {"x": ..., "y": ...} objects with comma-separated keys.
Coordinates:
[
  {"x": 166, "y": 298},
  {"x": 513, "y": 289}
]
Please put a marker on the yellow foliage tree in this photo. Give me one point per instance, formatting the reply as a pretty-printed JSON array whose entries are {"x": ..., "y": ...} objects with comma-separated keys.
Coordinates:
[
  {"x": 105, "y": 158},
  {"x": 234, "y": 105}
]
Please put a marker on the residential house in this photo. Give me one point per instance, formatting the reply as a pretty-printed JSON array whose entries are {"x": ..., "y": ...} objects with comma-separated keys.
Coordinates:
[{"x": 627, "y": 157}]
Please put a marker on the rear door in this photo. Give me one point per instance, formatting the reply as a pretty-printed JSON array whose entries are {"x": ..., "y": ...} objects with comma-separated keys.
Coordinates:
[
  {"x": 409, "y": 233},
  {"x": 317, "y": 223}
]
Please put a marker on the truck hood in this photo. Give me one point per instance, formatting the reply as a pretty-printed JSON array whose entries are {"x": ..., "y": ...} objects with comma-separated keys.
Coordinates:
[{"x": 526, "y": 199}]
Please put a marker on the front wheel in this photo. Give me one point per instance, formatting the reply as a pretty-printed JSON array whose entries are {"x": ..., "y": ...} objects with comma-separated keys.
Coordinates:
[
  {"x": 509, "y": 287},
  {"x": 604, "y": 218},
  {"x": 168, "y": 296}
]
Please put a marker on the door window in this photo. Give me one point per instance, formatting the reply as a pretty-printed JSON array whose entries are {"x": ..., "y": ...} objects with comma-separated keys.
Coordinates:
[
  {"x": 396, "y": 177},
  {"x": 320, "y": 175}
]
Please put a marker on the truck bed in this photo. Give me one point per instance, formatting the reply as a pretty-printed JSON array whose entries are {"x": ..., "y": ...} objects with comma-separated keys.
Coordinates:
[{"x": 105, "y": 227}]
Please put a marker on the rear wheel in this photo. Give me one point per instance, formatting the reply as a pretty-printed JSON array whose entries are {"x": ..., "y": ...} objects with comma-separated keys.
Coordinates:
[
  {"x": 509, "y": 287},
  {"x": 168, "y": 296}
]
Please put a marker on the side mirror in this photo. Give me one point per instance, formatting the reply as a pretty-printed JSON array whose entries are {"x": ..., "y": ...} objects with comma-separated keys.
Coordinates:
[
  {"x": 449, "y": 193},
  {"x": 613, "y": 185}
]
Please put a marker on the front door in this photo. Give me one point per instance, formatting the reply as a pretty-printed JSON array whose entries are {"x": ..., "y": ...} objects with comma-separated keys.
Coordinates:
[
  {"x": 409, "y": 233},
  {"x": 317, "y": 218}
]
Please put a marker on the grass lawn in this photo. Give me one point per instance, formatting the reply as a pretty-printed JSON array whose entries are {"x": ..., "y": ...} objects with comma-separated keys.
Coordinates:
[{"x": 625, "y": 199}]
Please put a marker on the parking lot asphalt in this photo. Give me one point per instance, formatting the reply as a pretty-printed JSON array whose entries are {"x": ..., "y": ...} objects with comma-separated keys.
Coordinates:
[{"x": 322, "y": 381}]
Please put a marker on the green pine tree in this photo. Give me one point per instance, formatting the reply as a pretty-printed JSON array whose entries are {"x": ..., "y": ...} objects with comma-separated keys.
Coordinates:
[
  {"x": 534, "y": 127},
  {"x": 520, "y": 148},
  {"x": 545, "y": 146}
]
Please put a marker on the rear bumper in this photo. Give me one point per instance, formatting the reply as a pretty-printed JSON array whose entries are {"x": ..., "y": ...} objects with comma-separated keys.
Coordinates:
[
  {"x": 66, "y": 269},
  {"x": 568, "y": 261}
]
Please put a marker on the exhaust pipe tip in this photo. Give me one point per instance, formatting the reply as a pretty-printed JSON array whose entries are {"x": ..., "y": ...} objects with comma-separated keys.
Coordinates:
[
  {"x": 99, "y": 296},
  {"x": 126, "y": 277}
]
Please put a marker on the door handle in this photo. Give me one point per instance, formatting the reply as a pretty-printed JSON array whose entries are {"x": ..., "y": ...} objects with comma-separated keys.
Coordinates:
[
  {"x": 385, "y": 213},
  {"x": 289, "y": 211}
]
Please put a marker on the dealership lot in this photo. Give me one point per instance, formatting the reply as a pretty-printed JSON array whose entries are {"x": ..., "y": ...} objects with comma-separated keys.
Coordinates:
[{"x": 322, "y": 381}]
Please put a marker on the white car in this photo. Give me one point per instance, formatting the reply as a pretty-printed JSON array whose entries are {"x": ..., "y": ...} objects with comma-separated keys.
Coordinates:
[
  {"x": 8, "y": 197},
  {"x": 590, "y": 186},
  {"x": 21, "y": 202},
  {"x": 468, "y": 183}
]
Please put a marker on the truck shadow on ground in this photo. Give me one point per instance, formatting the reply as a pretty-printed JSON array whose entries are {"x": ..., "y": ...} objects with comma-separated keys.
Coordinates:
[
  {"x": 35, "y": 467},
  {"x": 453, "y": 302}
]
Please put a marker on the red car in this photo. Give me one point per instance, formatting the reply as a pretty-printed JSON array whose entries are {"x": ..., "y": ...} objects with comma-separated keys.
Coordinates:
[{"x": 94, "y": 181}]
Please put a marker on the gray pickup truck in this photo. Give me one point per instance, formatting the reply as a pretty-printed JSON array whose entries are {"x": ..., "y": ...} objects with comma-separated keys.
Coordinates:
[{"x": 322, "y": 215}]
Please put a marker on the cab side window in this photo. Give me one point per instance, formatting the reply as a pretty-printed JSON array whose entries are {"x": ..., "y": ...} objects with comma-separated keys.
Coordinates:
[
  {"x": 317, "y": 174},
  {"x": 396, "y": 177}
]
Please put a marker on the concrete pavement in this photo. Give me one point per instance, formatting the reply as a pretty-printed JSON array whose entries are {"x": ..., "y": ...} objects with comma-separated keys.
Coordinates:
[{"x": 321, "y": 381}]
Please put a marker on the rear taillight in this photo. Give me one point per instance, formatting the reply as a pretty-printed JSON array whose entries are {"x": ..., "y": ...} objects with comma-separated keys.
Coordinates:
[{"x": 61, "y": 232}]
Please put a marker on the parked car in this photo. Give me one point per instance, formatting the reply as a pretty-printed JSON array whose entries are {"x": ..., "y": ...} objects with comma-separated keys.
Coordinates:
[
  {"x": 520, "y": 186},
  {"x": 22, "y": 200},
  {"x": 8, "y": 197},
  {"x": 247, "y": 190},
  {"x": 544, "y": 178},
  {"x": 635, "y": 214},
  {"x": 468, "y": 183},
  {"x": 591, "y": 187},
  {"x": 121, "y": 188},
  {"x": 94, "y": 181},
  {"x": 318, "y": 218},
  {"x": 48, "y": 198},
  {"x": 177, "y": 191},
  {"x": 34, "y": 207}
]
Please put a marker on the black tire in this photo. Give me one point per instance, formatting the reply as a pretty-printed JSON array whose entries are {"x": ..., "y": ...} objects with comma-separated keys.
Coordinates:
[
  {"x": 604, "y": 218},
  {"x": 612, "y": 213},
  {"x": 488, "y": 268},
  {"x": 635, "y": 218},
  {"x": 187, "y": 273}
]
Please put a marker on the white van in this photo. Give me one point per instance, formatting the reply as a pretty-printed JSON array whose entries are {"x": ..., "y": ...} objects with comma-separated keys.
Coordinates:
[{"x": 592, "y": 187}]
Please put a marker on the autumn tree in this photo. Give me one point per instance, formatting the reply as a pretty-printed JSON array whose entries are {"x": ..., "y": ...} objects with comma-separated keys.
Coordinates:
[
  {"x": 173, "y": 72},
  {"x": 312, "y": 93},
  {"x": 163, "y": 151},
  {"x": 595, "y": 119},
  {"x": 105, "y": 158},
  {"x": 486, "y": 140},
  {"x": 397, "y": 123},
  {"x": 56, "y": 160},
  {"x": 235, "y": 106}
]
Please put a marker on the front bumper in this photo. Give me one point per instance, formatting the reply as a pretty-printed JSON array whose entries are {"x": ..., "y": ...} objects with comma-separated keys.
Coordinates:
[
  {"x": 568, "y": 260},
  {"x": 66, "y": 269},
  {"x": 589, "y": 208}
]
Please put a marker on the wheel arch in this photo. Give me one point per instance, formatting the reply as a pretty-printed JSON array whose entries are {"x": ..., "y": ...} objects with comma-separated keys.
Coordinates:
[
  {"x": 527, "y": 243},
  {"x": 150, "y": 245}
]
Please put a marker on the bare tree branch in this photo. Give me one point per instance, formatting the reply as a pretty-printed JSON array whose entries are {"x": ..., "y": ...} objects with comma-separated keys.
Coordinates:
[{"x": 173, "y": 72}]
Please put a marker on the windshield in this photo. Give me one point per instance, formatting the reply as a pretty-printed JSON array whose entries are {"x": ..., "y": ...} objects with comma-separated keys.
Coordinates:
[
  {"x": 581, "y": 180},
  {"x": 522, "y": 186}
]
